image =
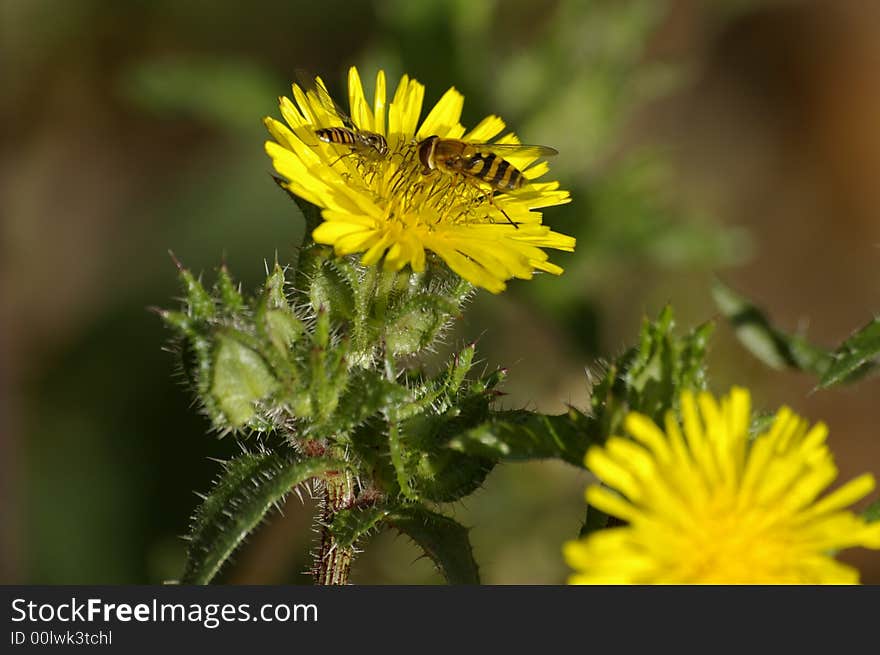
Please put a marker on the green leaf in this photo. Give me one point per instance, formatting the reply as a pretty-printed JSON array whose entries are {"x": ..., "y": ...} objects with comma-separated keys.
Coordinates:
[
  {"x": 521, "y": 435},
  {"x": 368, "y": 393},
  {"x": 650, "y": 377},
  {"x": 398, "y": 460},
  {"x": 872, "y": 512},
  {"x": 436, "y": 472},
  {"x": 350, "y": 525},
  {"x": 773, "y": 347},
  {"x": 595, "y": 520},
  {"x": 442, "y": 539},
  {"x": 244, "y": 492},
  {"x": 241, "y": 378},
  {"x": 444, "y": 476},
  {"x": 854, "y": 357}
]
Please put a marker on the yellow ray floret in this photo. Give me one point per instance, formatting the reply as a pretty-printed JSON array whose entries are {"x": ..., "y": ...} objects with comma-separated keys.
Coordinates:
[
  {"x": 387, "y": 210},
  {"x": 705, "y": 505}
]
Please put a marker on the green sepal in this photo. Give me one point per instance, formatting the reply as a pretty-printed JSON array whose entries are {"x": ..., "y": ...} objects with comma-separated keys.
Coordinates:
[
  {"x": 249, "y": 485},
  {"x": 311, "y": 213},
  {"x": 178, "y": 321},
  {"x": 595, "y": 520},
  {"x": 415, "y": 323},
  {"x": 331, "y": 288},
  {"x": 240, "y": 379},
  {"x": 282, "y": 328},
  {"x": 521, "y": 435},
  {"x": 273, "y": 291},
  {"x": 200, "y": 304},
  {"x": 228, "y": 292},
  {"x": 442, "y": 539}
]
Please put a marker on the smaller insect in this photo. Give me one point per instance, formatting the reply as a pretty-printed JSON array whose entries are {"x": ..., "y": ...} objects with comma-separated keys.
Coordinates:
[
  {"x": 479, "y": 162},
  {"x": 363, "y": 142},
  {"x": 359, "y": 140}
]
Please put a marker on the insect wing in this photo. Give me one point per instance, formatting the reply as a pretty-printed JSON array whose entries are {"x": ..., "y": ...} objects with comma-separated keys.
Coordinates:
[
  {"x": 515, "y": 149},
  {"x": 317, "y": 91}
]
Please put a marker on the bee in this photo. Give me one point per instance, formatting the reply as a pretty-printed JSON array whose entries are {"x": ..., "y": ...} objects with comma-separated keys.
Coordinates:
[
  {"x": 365, "y": 142},
  {"x": 479, "y": 162}
]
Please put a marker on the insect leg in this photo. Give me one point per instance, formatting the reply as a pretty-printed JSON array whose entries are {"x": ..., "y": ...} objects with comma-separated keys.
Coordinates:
[{"x": 498, "y": 207}]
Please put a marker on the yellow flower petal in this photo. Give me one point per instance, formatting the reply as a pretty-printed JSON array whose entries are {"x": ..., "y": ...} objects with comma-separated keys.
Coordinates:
[
  {"x": 360, "y": 110},
  {"x": 444, "y": 117},
  {"x": 379, "y": 104},
  {"x": 706, "y": 505},
  {"x": 390, "y": 209}
]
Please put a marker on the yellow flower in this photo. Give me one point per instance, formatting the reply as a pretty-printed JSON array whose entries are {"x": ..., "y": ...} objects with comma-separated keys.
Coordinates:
[
  {"x": 383, "y": 206},
  {"x": 704, "y": 505}
]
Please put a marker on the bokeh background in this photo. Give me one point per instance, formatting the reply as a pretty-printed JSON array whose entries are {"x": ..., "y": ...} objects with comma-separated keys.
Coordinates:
[{"x": 721, "y": 138}]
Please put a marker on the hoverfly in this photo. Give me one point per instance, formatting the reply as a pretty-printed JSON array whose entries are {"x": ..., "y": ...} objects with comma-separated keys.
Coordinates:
[
  {"x": 364, "y": 142},
  {"x": 479, "y": 162},
  {"x": 359, "y": 140}
]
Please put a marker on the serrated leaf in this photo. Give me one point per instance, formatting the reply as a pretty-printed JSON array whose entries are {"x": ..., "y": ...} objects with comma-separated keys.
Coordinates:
[
  {"x": 854, "y": 357},
  {"x": 770, "y": 345},
  {"x": 442, "y": 539},
  {"x": 650, "y": 377},
  {"x": 445, "y": 476},
  {"x": 521, "y": 435},
  {"x": 438, "y": 473},
  {"x": 244, "y": 492},
  {"x": 350, "y": 525},
  {"x": 368, "y": 393}
]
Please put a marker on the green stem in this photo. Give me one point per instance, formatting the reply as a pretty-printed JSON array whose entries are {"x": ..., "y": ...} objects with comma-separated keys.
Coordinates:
[{"x": 332, "y": 562}]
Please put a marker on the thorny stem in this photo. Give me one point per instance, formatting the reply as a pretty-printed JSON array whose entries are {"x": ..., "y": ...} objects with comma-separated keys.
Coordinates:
[{"x": 332, "y": 563}]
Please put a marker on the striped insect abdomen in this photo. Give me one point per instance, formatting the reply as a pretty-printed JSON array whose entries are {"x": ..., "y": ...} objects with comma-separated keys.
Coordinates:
[
  {"x": 496, "y": 171},
  {"x": 336, "y": 135}
]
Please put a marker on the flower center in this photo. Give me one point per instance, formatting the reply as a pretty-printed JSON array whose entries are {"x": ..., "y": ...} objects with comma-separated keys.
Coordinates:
[
  {"x": 412, "y": 198},
  {"x": 731, "y": 547}
]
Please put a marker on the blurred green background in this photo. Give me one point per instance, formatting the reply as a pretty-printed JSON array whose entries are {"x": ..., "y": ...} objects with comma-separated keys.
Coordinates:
[{"x": 728, "y": 138}]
